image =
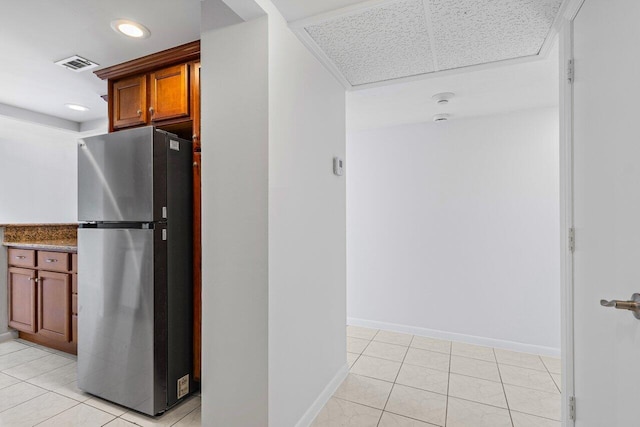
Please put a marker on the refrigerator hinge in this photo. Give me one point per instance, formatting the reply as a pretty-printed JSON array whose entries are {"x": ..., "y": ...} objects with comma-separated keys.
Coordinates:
[
  {"x": 164, "y": 212},
  {"x": 164, "y": 234},
  {"x": 572, "y": 408}
]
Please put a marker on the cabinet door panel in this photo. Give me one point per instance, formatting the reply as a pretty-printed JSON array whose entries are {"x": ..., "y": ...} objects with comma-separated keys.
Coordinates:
[
  {"x": 130, "y": 102},
  {"x": 195, "y": 104},
  {"x": 74, "y": 328},
  {"x": 22, "y": 299},
  {"x": 169, "y": 93},
  {"x": 54, "y": 300}
]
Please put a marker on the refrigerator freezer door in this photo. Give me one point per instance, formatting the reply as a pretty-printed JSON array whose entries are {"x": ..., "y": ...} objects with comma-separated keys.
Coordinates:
[
  {"x": 116, "y": 317},
  {"x": 115, "y": 176}
]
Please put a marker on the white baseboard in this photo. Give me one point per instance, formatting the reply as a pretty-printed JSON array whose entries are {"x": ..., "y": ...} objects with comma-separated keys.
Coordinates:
[
  {"x": 7, "y": 336},
  {"x": 452, "y": 336},
  {"x": 323, "y": 398}
]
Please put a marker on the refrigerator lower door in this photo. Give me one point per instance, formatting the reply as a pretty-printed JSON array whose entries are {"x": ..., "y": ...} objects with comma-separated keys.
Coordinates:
[{"x": 116, "y": 359}]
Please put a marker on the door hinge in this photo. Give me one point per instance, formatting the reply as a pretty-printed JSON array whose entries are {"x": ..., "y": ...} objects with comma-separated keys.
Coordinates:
[
  {"x": 571, "y": 71},
  {"x": 572, "y": 408},
  {"x": 572, "y": 239},
  {"x": 164, "y": 234}
]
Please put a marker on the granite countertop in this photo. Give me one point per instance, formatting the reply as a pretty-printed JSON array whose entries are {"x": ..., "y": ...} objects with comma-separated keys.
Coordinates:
[
  {"x": 67, "y": 245},
  {"x": 51, "y": 237}
]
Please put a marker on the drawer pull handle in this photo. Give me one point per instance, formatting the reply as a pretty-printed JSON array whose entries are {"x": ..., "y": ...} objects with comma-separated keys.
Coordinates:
[
  {"x": 50, "y": 260},
  {"x": 20, "y": 257}
]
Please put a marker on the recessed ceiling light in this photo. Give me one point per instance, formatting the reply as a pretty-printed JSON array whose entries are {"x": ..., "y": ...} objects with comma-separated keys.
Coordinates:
[
  {"x": 130, "y": 28},
  {"x": 76, "y": 107}
]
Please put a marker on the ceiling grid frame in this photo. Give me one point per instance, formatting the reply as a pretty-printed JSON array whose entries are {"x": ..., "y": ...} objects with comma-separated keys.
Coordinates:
[
  {"x": 432, "y": 39},
  {"x": 298, "y": 27}
]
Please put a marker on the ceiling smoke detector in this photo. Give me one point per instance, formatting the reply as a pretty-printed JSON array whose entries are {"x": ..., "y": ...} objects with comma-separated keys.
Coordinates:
[
  {"x": 441, "y": 117},
  {"x": 76, "y": 63},
  {"x": 443, "y": 98}
]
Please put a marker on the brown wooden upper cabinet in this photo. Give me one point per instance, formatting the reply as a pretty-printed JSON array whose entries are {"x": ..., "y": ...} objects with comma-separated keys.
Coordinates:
[
  {"x": 160, "y": 89},
  {"x": 130, "y": 102},
  {"x": 169, "y": 93},
  {"x": 152, "y": 98}
]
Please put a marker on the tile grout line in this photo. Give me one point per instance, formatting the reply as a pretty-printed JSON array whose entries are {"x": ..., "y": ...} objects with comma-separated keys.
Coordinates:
[
  {"x": 504, "y": 392},
  {"x": 394, "y": 380},
  {"x": 446, "y": 406},
  {"x": 55, "y": 415},
  {"x": 551, "y": 375}
]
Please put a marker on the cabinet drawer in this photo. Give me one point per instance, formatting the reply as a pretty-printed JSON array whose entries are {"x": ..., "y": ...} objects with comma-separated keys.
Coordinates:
[
  {"x": 74, "y": 263},
  {"x": 74, "y": 304},
  {"x": 53, "y": 261},
  {"x": 74, "y": 283},
  {"x": 22, "y": 257}
]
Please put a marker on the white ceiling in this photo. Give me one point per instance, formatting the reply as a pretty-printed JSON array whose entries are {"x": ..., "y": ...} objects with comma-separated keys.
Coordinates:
[
  {"x": 376, "y": 41},
  {"x": 494, "y": 90},
  {"x": 35, "y": 33},
  {"x": 292, "y": 10}
]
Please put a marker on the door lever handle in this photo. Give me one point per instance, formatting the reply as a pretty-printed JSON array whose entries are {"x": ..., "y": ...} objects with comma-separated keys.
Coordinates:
[{"x": 632, "y": 305}]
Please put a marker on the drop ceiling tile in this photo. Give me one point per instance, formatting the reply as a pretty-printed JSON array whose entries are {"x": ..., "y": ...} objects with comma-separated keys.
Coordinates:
[
  {"x": 382, "y": 43},
  {"x": 470, "y": 32}
]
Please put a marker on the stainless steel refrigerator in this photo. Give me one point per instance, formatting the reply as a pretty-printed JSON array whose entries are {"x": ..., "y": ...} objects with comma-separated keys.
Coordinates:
[{"x": 135, "y": 272}]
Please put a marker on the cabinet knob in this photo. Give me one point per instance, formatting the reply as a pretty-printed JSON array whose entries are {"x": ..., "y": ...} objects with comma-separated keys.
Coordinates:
[
  {"x": 151, "y": 110},
  {"x": 195, "y": 164},
  {"x": 139, "y": 113}
]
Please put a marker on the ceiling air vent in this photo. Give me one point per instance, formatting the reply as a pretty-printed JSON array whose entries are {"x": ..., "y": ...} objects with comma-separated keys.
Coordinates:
[{"x": 77, "y": 63}]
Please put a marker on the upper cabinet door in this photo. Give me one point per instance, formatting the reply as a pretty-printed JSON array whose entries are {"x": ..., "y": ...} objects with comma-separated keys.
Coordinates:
[
  {"x": 169, "y": 93},
  {"x": 195, "y": 104},
  {"x": 130, "y": 102}
]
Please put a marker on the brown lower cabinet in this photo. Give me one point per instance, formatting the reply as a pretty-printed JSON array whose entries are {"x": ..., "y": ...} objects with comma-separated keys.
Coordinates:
[{"x": 41, "y": 297}]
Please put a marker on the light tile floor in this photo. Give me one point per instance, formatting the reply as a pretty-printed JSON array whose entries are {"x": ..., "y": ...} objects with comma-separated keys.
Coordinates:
[
  {"x": 395, "y": 380},
  {"x": 38, "y": 387},
  {"x": 400, "y": 380}
]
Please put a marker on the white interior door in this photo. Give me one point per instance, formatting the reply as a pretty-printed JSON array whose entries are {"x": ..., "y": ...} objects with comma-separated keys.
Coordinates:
[{"x": 606, "y": 147}]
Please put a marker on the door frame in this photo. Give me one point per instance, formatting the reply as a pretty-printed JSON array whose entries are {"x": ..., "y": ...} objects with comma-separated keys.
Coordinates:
[{"x": 566, "y": 207}]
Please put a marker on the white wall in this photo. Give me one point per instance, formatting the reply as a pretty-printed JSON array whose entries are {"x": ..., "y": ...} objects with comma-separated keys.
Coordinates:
[
  {"x": 453, "y": 228},
  {"x": 274, "y": 227},
  {"x": 38, "y": 173},
  {"x": 307, "y": 230},
  {"x": 235, "y": 225}
]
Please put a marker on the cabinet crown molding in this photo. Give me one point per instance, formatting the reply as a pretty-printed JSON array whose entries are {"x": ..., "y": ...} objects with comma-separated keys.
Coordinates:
[{"x": 179, "y": 54}]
